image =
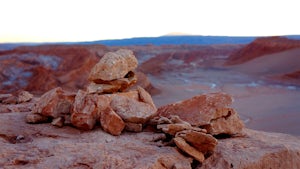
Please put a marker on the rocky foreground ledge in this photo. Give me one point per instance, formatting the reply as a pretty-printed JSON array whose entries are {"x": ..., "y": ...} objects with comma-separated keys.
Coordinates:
[
  {"x": 115, "y": 124},
  {"x": 45, "y": 146}
]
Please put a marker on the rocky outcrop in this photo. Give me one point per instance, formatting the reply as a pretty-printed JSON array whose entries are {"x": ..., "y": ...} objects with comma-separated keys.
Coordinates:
[
  {"x": 256, "y": 150},
  {"x": 39, "y": 146},
  {"x": 209, "y": 111},
  {"x": 36, "y": 146}
]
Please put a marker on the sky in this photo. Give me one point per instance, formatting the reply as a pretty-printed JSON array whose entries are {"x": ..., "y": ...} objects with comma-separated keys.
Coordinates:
[{"x": 89, "y": 20}]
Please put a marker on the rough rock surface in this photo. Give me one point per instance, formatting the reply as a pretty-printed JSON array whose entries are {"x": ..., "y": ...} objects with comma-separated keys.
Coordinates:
[
  {"x": 131, "y": 110},
  {"x": 203, "y": 142},
  {"x": 114, "y": 65},
  {"x": 256, "y": 150},
  {"x": 24, "y": 96},
  {"x": 46, "y": 146},
  {"x": 54, "y": 103},
  {"x": 209, "y": 110},
  {"x": 111, "y": 122},
  {"x": 184, "y": 146},
  {"x": 85, "y": 111}
]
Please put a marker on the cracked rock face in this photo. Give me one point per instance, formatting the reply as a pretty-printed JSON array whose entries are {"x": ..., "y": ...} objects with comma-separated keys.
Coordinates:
[{"x": 210, "y": 111}]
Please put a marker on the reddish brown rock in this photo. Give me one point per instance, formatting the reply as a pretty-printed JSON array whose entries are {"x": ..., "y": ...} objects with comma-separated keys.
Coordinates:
[
  {"x": 256, "y": 150},
  {"x": 85, "y": 111},
  {"x": 111, "y": 122},
  {"x": 113, "y": 86},
  {"x": 145, "y": 96},
  {"x": 24, "y": 96},
  {"x": 114, "y": 65},
  {"x": 54, "y": 103},
  {"x": 131, "y": 110},
  {"x": 229, "y": 123},
  {"x": 206, "y": 110},
  {"x": 39, "y": 146},
  {"x": 10, "y": 100},
  {"x": 198, "y": 110},
  {"x": 4, "y": 97},
  {"x": 172, "y": 129},
  {"x": 134, "y": 127},
  {"x": 185, "y": 147},
  {"x": 203, "y": 142},
  {"x": 101, "y": 88},
  {"x": 58, "y": 122},
  {"x": 36, "y": 118}
]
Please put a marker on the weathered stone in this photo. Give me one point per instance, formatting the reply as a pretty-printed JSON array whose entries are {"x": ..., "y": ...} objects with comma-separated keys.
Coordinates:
[
  {"x": 113, "y": 86},
  {"x": 203, "y": 110},
  {"x": 58, "y": 122},
  {"x": 102, "y": 88},
  {"x": 174, "y": 124},
  {"x": 228, "y": 124},
  {"x": 133, "y": 127},
  {"x": 54, "y": 103},
  {"x": 204, "y": 143},
  {"x": 172, "y": 129},
  {"x": 36, "y": 118},
  {"x": 83, "y": 121},
  {"x": 114, "y": 65},
  {"x": 184, "y": 146},
  {"x": 145, "y": 96},
  {"x": 198, "y": 110},
  {"x": 131, "y": 110},
  {"x": 24, "y": 96},
  {"x": 68, "y": 147},
  {"x": 85, "y": 110},
  {"x": 111, "y": 122},
  {"x": 256, "y": 150},
  {"x": 10, "y": 100},
  {"x": 4, "y": 97}
]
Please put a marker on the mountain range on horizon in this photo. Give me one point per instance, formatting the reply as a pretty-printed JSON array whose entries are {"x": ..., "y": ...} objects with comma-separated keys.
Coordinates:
[{"x": 174, "y": 38}]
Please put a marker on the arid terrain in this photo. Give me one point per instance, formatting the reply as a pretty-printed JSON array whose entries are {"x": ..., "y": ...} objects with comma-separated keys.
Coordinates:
[{"x": 263, "y": 78}]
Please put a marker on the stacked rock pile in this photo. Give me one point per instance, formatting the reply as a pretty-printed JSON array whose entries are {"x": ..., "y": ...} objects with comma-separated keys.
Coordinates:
[
  {"x": 105, "y": 100},
  {"x": 191, "y": 124}
]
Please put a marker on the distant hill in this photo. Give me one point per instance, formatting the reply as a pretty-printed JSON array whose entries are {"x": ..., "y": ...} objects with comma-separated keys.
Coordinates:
[{"x": 175, "y": 40}]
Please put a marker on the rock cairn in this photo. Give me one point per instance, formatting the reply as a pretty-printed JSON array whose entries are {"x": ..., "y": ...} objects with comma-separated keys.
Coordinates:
[
  {"x": 105, "y": 100},
  {"x": 191, "y": 125}
]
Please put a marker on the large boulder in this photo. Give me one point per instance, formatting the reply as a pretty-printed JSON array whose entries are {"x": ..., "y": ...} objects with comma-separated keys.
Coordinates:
[
  {"x": 114, "y": 65},
  {"x": 209, "y": 111}
]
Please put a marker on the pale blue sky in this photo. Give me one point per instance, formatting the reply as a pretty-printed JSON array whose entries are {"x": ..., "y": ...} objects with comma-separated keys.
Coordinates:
[{"x": 87, "y": 20}]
